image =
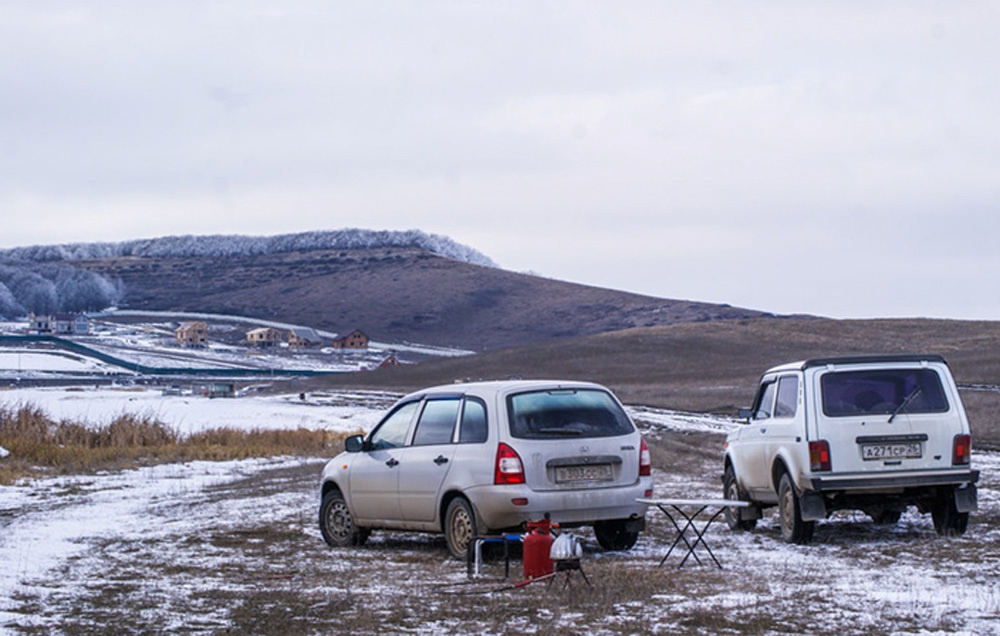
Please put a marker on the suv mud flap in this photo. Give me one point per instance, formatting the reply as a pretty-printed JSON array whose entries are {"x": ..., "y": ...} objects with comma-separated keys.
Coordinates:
[
  {"x": 966, "y": 499},
  {"x": 812, "y": 506}
]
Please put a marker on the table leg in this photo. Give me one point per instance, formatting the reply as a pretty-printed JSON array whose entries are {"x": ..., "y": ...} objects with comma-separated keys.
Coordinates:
[
  {"x": 700, "y": 538},
  {"x": 681, "y": 533}
]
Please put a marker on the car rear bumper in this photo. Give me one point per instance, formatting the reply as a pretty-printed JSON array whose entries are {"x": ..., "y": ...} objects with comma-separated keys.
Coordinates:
[
  {"x": 862, "y": 482},
  {"x": 496, "y": 510}
]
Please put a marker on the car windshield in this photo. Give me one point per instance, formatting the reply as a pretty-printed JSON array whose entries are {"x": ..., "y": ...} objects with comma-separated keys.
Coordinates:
[
  {"x": 883, "y": 391},
  {"x": 566, "y": 413}
]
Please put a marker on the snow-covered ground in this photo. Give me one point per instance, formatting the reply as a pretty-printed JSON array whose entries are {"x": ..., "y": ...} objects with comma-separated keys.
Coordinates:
[
  {"x": 148, "y": 341},
  {"x": 166, "y": 538}
]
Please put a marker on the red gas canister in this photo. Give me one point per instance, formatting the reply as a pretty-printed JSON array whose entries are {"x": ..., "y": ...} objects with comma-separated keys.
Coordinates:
[{"x": 537, "y": 545}]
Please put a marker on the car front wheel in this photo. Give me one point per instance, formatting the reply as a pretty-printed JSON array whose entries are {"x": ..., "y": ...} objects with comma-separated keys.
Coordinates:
[
  {"x": 335, "y": 522},
  {"x": 459, "y": 527},
  {"x": 793, "y": 528}
]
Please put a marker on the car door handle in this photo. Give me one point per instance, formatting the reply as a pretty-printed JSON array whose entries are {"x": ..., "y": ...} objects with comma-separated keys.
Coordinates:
[
  {"x": 440, "y": 459},
  {"x": 392, "y": 463}
]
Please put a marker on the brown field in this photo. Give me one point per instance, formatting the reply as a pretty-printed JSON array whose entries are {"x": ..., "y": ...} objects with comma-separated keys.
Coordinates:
[{"x": 714, "y": 366}]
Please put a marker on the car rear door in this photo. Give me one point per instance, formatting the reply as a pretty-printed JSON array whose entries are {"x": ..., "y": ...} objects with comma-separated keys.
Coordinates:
[
  {"x": 573, "y": 438},
  {"x": 426, "y": 462}
]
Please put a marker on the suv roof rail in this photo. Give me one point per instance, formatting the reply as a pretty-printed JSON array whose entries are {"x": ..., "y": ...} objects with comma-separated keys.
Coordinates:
[{"x": 822, "y": 362}]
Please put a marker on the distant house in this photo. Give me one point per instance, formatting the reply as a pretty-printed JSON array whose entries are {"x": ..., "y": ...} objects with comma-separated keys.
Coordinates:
[
  {"x": 70, "y": 324},
  {"x": 39, "y": 324},
  {"x": 354, "y": 340},
  {"x": 263, "y": 337},
  {"x": 192, "y": 334},
  {"x": 303, "y": 338},
  {"x": 60, "y": 324},
  {"x": 390, "y": 361},
  {"x": 220, "y": 390}
]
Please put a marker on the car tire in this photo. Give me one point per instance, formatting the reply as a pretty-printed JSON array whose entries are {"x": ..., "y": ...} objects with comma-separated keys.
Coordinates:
[
  {"x": 731, "y": 491},
  {"x": 335, "y": 522},
  {"x": 460, "y": 527},
  {"x": 612, "y": 535},
  {"x": 948, "y": 521},
  {"x": 793, "y": 528}
]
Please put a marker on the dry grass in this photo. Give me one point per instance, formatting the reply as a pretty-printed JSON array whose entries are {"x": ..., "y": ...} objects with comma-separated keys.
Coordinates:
[{"x": 40, "y": 445}]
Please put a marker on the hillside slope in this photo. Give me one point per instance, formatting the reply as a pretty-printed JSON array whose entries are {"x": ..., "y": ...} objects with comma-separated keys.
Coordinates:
[
  {"x": 715, "y": 366},
  {"x": 394, "y": 294}
]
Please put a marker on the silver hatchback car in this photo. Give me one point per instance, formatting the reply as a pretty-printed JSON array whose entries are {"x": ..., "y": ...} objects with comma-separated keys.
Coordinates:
[{"x": 469, "y": 460}]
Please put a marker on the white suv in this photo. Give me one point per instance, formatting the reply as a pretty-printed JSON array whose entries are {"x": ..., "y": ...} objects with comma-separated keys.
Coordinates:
[
  {"x": 473, "y": 459},
  {"x": 875, "y": 434}
]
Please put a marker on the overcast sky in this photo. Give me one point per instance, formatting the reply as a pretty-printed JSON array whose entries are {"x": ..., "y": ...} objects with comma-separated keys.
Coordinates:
[{"x": 835, "y": 158}]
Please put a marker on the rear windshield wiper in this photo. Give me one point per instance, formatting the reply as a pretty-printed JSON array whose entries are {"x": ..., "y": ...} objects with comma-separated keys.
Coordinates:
[
  {"x": 904, "y": 403},
  {"x": 569, "y": 432}
]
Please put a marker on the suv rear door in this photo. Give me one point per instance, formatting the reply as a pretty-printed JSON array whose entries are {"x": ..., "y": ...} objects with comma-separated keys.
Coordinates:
[{"x": 880, "y": 417}]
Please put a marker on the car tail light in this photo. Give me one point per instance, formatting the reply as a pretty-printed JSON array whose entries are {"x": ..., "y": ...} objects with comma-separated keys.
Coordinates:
[
  {"x": 819, "y": 456},
  {"x": 961, "y": 450},
  {"x": 645, "y": 463},
  {"x": 509, "y": 469}
]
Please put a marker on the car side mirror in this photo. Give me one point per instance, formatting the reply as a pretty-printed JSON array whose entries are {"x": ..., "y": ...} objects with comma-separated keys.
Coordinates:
[
  {"x": 745, "y": 415},
  {"x": 354, "y": 444}
]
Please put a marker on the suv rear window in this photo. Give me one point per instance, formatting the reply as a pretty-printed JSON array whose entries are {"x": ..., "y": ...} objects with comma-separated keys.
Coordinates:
[
  {"x": 883, "y": 391},
  {"x": 566, "y": 413}
]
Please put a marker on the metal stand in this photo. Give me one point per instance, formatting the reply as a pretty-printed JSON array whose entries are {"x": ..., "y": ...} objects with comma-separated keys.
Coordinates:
[
  {"x": 475, "y": 556},
  {"x": 569, "y": 566}
]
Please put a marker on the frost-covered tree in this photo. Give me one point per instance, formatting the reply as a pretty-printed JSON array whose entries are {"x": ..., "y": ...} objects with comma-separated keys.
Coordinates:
[
  {"x": 221, "y": 246},
  {"x": 46, "y": 288},
  {"x": 9, "y": 307}
]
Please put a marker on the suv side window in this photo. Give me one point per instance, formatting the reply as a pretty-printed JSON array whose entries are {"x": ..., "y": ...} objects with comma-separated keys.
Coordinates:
[
  {"x": 765, "y": 403},
  {"x": 437, "y": 422},
  {"x": 788, "y": 396},
  {"x": 391, "y": 433},
  {"x": 473, "y": 430}
]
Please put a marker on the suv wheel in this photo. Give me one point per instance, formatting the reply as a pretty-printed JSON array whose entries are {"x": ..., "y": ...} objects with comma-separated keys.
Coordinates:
[
  {"x": 886, "y": 517},
  {"x": 335, "y": 522},
  {"x": 459, "y": 527},
  {"x": 613, "y": 536},
  {"x": 731, "y": 490},
  {"x": 948, "y": 521},
  {"x": 793, "y": 528}
]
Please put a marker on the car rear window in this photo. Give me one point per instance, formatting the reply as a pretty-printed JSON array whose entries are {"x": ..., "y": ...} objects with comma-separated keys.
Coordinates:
[
  {"x": 566, "y": 413},
  {"x": 883, "y": 391}
]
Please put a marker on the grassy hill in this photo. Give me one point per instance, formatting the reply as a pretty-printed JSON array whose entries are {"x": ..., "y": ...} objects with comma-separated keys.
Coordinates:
[{"x": 394, "y": 294}]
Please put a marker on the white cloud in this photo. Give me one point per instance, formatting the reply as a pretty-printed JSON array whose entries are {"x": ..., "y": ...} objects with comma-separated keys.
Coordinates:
[{"x": 698, "y": 135}]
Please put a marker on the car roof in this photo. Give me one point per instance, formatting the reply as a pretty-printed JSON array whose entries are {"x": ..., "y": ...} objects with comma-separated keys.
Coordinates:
[
  {"x": 858, "y": 360},
  {"x": 501, "y": 387}
]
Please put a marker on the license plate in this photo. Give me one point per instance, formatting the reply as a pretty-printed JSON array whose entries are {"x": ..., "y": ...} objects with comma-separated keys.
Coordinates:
[
  {"x": 596, "y": 472},
  {"x": 907, "y": 450}
]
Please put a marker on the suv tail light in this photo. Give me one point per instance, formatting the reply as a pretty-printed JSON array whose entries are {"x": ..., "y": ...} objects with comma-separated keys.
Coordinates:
[
  {"x": 645, "y": 463},
  {"x": 508, "y": 469},
  {"x": 961, "y": 450},
  {"x": 819, "y": 456}
]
